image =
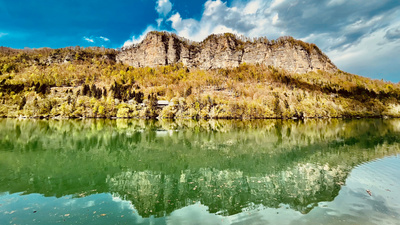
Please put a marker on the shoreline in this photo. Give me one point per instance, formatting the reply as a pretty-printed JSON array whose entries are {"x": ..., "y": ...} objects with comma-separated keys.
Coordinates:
[{"x": 199, "y": 118}]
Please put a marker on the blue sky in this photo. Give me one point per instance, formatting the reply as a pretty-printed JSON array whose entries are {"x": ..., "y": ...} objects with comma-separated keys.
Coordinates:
[{"x": 361, "y": 37}]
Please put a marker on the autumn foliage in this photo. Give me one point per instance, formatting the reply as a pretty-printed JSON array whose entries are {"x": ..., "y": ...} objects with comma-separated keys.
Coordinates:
[{"x": 88, "y": 82}]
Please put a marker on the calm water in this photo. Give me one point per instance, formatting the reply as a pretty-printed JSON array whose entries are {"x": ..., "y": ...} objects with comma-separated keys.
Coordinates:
[{"x": 199, "y": 172}]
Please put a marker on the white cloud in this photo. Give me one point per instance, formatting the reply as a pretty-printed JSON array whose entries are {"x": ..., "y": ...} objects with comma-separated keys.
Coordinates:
[
  {"x": 217, "y": 17},
  {"x": 88, "y": 39},
  {"x": 176, "y": 20},
  {"x": 251, "y": 7},
  {"x": 275, "y": 19},
  {"x": 186, "y": 27},
  {"x": 220, "y": 29},
  {"x": 163, "y": 7},
  {"x": 92, "y": 39},
  {"x": 276, "y": 3},
  {"x": 3, "y": 34},
  {"x": 213, "y": 7},
  {"x": 361, "y": 25},
  {"x": 372, "y": 56},
  {"x": 138, "y": 39},
  {"x": 104, "y": 38},
  {"x": 159, "y": 21}
]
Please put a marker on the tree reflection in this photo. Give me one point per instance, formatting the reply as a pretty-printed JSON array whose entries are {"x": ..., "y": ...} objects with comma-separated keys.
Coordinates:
[{"x": 161, "y": 166}]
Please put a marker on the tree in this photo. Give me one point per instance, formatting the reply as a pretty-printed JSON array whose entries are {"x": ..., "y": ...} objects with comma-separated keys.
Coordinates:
[{"x": 22, "y": 103}]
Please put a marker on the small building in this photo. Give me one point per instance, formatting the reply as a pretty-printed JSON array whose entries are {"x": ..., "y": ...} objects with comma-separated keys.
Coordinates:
[{"x": 162, "y": 103}]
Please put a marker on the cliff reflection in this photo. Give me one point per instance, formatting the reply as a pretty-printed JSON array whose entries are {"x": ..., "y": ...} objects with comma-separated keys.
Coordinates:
[{"x": 228, "y": 192}]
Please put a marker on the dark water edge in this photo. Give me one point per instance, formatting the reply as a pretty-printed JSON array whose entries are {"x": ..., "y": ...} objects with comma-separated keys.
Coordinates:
[
  {"x": 96, "y": 171},
  {"x": 205, "y": 118}
]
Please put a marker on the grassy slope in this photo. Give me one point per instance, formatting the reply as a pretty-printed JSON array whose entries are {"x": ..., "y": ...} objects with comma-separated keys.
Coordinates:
[{"x": 90, "y": 84}]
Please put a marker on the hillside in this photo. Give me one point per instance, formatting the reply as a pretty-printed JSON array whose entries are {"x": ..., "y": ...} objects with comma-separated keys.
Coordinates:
[{"x": 289, "y": 79}]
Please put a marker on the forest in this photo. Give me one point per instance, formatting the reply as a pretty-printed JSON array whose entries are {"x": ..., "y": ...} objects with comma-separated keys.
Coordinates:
[{"x": 78, "y": 82}]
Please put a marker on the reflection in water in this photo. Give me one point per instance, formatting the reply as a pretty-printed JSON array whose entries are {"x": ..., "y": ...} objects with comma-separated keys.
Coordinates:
[
  {"x": 163, "y": 166},
  {"x": 228, "y": 192}
]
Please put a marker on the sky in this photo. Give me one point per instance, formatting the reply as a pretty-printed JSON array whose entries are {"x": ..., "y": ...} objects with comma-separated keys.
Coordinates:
[{"x": 359, "y": 36}]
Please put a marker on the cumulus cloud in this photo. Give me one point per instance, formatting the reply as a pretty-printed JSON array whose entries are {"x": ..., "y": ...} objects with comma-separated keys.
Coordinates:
[
  {"x": 163, "y": 7},
  {"x": 217, "y": 17},
  {"x": 335, "y": 20},
  {"x": 349, "y": 20}
]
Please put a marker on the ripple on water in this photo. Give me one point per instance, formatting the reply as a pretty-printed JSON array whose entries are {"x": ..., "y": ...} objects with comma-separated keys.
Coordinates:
[{"x": 372, "y": 192}]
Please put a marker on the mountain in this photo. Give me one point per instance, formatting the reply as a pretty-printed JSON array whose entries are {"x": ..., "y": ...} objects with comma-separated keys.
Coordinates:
[
  {"x": 224, "y": 76},
  {"x": 225, "y": 51}
]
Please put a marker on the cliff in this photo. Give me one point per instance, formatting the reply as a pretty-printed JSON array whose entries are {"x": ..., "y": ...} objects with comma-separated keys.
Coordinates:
[
  {"x": 88, "y": 82},
  {"x": 225, "y": 51}
]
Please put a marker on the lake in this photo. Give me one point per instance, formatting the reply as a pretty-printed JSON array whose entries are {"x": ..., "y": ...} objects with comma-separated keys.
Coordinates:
[{"x": 121, "y": 171}]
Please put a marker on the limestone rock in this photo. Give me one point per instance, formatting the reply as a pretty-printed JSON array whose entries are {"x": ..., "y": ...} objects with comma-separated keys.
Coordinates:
[{"x": 225, "y": 51}]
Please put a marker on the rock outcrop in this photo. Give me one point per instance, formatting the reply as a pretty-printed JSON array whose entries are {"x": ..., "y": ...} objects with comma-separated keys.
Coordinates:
[{"x": 225, "y": 51}]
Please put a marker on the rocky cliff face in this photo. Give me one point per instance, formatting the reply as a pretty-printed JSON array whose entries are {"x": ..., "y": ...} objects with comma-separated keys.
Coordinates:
[{"x": 225, "y": 51}]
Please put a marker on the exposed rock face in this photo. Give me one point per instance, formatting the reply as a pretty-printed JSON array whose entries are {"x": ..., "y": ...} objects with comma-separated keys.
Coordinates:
[{"x": 225, "y": 51}]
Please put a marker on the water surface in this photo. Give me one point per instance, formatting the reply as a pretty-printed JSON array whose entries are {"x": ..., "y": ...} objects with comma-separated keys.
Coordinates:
[{"x": 199, "y": 172}]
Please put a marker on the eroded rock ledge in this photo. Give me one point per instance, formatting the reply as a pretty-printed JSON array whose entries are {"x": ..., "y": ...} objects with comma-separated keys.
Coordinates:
[{"x": 225, "y": 51}]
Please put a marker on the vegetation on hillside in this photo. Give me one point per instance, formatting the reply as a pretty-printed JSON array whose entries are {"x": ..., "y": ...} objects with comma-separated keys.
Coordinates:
[{"x": 87, "y": 82}]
